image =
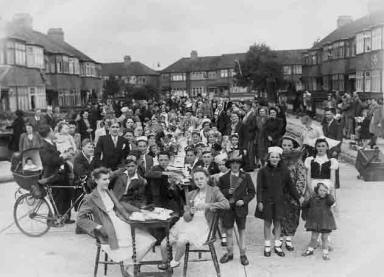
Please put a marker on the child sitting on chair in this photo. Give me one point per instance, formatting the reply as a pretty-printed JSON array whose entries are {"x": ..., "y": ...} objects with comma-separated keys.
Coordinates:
[{"x": 29, "y": 165}]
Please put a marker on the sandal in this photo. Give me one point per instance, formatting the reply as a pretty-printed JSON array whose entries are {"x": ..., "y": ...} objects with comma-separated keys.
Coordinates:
[{"x": 307, "y": 253}]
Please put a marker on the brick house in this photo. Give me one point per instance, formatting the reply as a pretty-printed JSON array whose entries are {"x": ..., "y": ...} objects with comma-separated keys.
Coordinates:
[
  {"x": 348, "y": 59},
  {"x": 38, "y": 69}
]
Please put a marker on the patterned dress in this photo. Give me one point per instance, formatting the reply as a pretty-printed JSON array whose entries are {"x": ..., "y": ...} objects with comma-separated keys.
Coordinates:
[{"x": 297, "y": 172}]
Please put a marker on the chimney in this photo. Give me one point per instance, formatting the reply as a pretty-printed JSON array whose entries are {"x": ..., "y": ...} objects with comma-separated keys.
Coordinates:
[
  {"x": 22, "y": 20},
  {"x": 343, "y": 20},
  {"x": 194, "y": 54},
  {"x": 56, "y": 34},
  {"x": 127, "y": 60}
]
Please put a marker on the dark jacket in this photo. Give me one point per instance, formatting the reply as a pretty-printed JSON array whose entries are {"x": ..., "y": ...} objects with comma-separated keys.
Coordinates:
[
  {"x": 81, "y": 166},
  {"x": 145, "y": 163},
  {"x": 106, "y": 154},
  {"x": 224, "y": 123},
  {"x": 25, "y": 143},
  {"x": 318, "y": 214},
  {"x": 82, "y": 129},
  {"x": 248, "y": 130},
  {"x": 50, "y": 159},
  {"x": 136, "y": 193},
  {"x": 93, "y": 207},
  {"x": 245, "y": 191},
  {"x": 333, "y": 131}
]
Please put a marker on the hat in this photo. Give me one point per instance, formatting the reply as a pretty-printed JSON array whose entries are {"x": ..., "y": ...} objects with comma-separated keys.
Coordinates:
[
  {"x": 235, "y": 156},
  {"x": 275, "y": 149},
  {"x": 221, "y": 158},
  {"x": 142, "y": 138},
  {"x": 205, "y": 120},
  {"x": 234, "y": 135},
  {"x": 293, "y": 138},
  {"x": 124, "y": 109}
]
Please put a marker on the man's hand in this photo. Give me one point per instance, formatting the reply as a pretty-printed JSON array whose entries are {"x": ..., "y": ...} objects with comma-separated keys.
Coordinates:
[
  {"x": 269, "y": 138},
  {"x": 239, "y": 203},
  {"x": 260, "y": 206}
]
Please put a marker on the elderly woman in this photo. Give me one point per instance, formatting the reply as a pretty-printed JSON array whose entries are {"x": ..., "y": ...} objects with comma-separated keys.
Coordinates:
[
  {"x": 292, "y": 159},
  {"x": 29, "y": 139},
  {"x": 272, "y": 182},
  {"x": 193, "y": 227},
  {"x": 109, "y": 225}
]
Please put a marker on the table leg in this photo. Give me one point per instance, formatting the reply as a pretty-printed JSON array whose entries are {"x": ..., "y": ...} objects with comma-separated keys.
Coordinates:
[
  {"x": 134, "y": 257},
  {"x": 169, "y": 252}
]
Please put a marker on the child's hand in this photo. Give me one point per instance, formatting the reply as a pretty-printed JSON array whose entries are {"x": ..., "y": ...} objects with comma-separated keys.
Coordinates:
[{"x": 260, "y": 206}]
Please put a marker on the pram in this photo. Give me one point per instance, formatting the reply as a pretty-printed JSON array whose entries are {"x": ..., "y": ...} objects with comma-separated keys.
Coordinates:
[{"x": 25, "y": 178}]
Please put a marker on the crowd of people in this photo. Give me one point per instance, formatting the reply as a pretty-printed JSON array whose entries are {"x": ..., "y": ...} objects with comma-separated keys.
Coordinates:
[{"x": 130, "y": 152}]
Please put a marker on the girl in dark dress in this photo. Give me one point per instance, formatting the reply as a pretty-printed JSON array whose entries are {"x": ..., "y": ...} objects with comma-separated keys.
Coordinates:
[
  {"x": 272, "y": 180},
  {"x": 320, "y": 220}
]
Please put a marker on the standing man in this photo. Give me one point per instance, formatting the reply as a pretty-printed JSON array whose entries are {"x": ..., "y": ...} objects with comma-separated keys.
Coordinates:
[
  {"x": 145, "y": 161},
  {"x": 332, "y": 129},
  {"x": 37, "y": 120},
  {"x": 56, "y": 170},
  {"x": 50, "y": 118},
  {"x": 111, "y": 149},
  {"x": 238, "y": 188},
  {"x": 247, "y": 136}
]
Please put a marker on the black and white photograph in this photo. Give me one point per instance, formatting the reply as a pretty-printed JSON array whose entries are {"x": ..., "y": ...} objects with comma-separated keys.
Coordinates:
[{"x": 212, "y": 138}]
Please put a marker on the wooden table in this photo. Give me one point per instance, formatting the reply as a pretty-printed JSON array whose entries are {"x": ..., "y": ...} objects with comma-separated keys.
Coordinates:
[{"x": 149, "y": 224}]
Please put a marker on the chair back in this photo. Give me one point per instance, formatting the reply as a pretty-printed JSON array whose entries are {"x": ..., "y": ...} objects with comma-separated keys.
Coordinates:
[{"x": 213, "y": 228}]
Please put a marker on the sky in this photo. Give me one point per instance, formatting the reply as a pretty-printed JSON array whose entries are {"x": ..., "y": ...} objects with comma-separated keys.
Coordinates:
[{"x": 159, "y": 32}]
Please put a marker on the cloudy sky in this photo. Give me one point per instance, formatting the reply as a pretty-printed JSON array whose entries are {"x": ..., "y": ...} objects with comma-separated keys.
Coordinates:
[{"x": 162, "y": 31}]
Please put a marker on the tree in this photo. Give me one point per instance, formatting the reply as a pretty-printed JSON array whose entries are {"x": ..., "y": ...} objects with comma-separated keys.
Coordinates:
[
  {"x": 112, "y": 86},
  {"x": 260, "y": 70},
  {"x": 145, "y": 92}
]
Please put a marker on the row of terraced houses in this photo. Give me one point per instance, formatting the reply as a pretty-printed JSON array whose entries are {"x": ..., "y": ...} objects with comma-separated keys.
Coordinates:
[{"x": 39, "y": 69}]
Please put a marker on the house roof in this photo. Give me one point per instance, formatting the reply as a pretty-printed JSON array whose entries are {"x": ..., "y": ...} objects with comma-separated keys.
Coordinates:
[
  {"x": 31, "y": 36},
  {"x": 204, "y": 63},
  {"x": 131, "y": 69},
  {"x": 351, "y": 29},
  {"x": 226, "y": 61}
]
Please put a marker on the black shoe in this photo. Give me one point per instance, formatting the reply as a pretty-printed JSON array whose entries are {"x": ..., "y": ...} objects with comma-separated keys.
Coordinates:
[
  {"x": 244, "y": 260},
  {"x": 307, "y": 253},
  {"x": 226, "y": 258},
  {"x": 279, "y": 251},
  {"x": 69, "y": 221},
  {"x": 162, "y": 266},
  {"x": 289, "y": 247},
  {"x": 224, "y": 243},
  {"x": 267, "y": 253}
]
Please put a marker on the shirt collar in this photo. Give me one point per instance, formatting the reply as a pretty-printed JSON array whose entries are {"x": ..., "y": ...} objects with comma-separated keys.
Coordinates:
[
  {"x": 49, "y": 141},
  {"x": 135, "y": 176},
  {"x": 235, "y": 174}
]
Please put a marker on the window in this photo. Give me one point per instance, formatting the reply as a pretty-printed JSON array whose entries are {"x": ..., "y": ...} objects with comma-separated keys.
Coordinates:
[
  {"x": 376, "y": 79},
  {"x": 360, "y": 43},
  {"x": 224, "y": 73},
  {"x": 212, "y": 74},
  {"x": 20, "y": 54},
  {"x": 10, "y": 52},
  {"x": 76, "y": 66},
  {"x": 287, "y": 70},
  {"x": 377, "y": 38},
  {"x": 341, "y": 82},
  {"x": 35, "y": 56},
  {"x": 360, "y": 81},
  {"x": 71, "y": 66},
  {"x": 198, "y": 75},
  {"x": 65, "y": 64},
  {"x": 178, "y": 76},
  {"x": 297, "y": 69},
  {"x": 367, "y": 81},
  {"x": 367, "y": 41},
  {"x": 340, "y": 49},
  {"x": 59, "y": 64},
  {"x": 132, "y": 80},
  {"x": 326, "y": 82}
]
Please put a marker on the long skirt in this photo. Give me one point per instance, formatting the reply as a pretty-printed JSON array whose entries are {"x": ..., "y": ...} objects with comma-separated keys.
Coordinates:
[{"x": 291, "y": 218}]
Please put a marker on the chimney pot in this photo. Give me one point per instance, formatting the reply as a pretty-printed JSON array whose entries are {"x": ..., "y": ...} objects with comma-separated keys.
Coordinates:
[
  {"x": 194, "y": 54},
  {"x": 56, "y": 34},
  {"x": 343, "y": 20},
  {"x": 127, "y": 60}
]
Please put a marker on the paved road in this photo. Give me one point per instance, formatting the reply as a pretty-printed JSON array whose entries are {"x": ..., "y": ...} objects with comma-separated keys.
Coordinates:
[{"x": 358, "y": 243}]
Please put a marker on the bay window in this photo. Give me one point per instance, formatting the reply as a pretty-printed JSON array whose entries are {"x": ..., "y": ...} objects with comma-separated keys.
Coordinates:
[
  {"x": 341, "y": 82},
  {"x": 367, "y": 81},
  {"x": 10, "y": 52},
  {"x": 59, "y": 64},
  {"x": 376, "y": 79},
  {"x": 360, "y": 81},
  {"x": 287, "y": 70},
  {"x": 367, "y": 41},
  {"x": 65, "y": 64},
  {"x": 71, "y": 65},
  {"x": 360, "y": 43},
  {"x": 224, "y": 73},
  {"x": 178, "y": 76},
  {"x": 297, "y": 69},
  {"x": 35, "y": 56},
  {"x": 377, "y": 35},
  {"x": 20, "y": 53}
]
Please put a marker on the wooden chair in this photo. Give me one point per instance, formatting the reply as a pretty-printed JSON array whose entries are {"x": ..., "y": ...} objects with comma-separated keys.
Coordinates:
[
  {"x": 210, "y": 242},
  {"x": 106, "y": 261}
]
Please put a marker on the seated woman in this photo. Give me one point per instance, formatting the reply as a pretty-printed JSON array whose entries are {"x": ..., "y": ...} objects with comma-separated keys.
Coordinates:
[
  {"x": 193, "y": 227},
  {"x": 109, "y": 224}
]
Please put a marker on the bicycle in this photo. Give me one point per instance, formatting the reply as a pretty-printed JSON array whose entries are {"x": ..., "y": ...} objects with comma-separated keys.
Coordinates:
[{"x": 34, "y": 217}]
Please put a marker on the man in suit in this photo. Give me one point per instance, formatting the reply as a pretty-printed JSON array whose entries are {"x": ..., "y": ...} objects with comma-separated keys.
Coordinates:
[
  {"x": 129, "y": 186},
  {"x": 247, "y": 136},
  {"x": 191, "y": 159},
  {"x": 84, "y": 126},
  {"x": 50, "y": 118},
  {"x": 111, "y": 149},
  {"x": 161, "y": 193},
  {"x": 238, "y": 188},
  {"x": 37, "y": 120},
  {"x": 223, "y": 122},
  {"x": 145, "y": 161},
  {"x": 332, "y": 129},
  {"x": 56, "y": 169}
]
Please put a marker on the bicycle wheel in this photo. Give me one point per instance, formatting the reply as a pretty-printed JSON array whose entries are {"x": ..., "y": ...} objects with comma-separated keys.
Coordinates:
[{"x": 31, "y": 215}]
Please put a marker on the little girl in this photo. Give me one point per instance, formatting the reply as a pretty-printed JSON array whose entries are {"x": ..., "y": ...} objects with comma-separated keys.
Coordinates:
[{"x": 320, "y": 219}]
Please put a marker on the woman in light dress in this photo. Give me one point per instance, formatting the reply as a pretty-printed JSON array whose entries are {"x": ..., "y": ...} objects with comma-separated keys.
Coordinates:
[
  {"x": 109, "y": 223},
  {"x": 194, "y": 226}
]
